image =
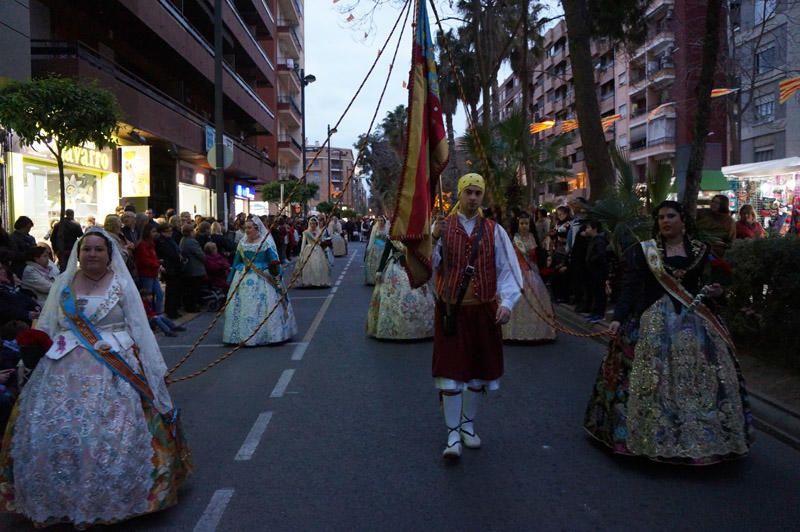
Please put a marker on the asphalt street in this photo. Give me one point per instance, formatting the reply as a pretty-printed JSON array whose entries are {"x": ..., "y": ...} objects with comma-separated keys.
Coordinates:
[{"x": 345, "y": 433}]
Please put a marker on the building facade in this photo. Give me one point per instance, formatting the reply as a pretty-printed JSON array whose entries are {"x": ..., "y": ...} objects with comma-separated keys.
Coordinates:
[
  {"x": 650, "y": 88},
  {"x": 157, "y": 57},
  {"x": 330, "y": 168}
]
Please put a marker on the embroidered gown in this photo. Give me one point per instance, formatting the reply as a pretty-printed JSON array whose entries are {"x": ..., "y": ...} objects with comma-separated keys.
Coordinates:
[
  {"x": 396, "y": 311},
  {"x": 317, "y": 270},
  {"x": 525, "y": 323},
  {"x": 84, "y": 446},
  {"x": 670, "y": 388},
  {"x": 255, "y": 298},
  {"x": 339, "y": 245},
  {"x": 373, "y": 254}
]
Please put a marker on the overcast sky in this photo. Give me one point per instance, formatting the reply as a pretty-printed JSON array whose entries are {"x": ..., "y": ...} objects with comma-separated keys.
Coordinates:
[{"x": 339, "y": 55}]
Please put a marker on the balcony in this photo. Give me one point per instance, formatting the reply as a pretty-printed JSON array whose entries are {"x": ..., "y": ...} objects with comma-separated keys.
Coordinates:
[
  {"x": 286, "y": 70},
  {"x": 291, "y": 10},
  {"x": 637, "y": 86},
  {"x": 291, "y": 43},
  {"x": 288, "y": 108},
  {"x": 182, "y": 37},
  {"x": 234, "y": 21},
  {"x": 657, "y": 6},
  {"x": 289, "y": 148},
  {"x": 653, "y": 147},
  {"x": 145, "y": 106},
  {"x": 662, "y": 77}
]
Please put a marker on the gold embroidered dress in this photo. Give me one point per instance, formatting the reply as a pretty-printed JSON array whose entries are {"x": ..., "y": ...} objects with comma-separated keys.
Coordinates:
[
  {"x": 527, "y": 324},
  {"x": 670, "y": 387}
]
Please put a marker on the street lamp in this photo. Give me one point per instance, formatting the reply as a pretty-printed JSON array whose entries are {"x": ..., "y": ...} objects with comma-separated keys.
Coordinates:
[
  {"x": 305, "y": 80},
  {"x": 330, "y": 132}
]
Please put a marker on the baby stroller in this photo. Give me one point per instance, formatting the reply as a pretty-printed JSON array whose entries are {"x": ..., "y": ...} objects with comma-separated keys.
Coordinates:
[{"x": 212, "y": 299}]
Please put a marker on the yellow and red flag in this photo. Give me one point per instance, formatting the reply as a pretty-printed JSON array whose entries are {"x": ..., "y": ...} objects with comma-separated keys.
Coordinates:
[
  {"x": 426, "y": 156},
  {"x": 538, "y": 127},
  {"x": 608, "y": 121},
  {"x": 788, "y": 87},
  {"x": 569, "y": 125},
  {"x": 716, "y": 93},
  {"x": 661, "y": 109}
]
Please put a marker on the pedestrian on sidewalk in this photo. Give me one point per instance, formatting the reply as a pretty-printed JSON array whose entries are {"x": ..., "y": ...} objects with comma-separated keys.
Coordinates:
[
  {"x": 63, "y": 237},
  {"x": 170, "y": 256},
  {"x": 670, "y": 388},
  {"x": 597, "y": 269},
  {"x": 477, "y": 284}
]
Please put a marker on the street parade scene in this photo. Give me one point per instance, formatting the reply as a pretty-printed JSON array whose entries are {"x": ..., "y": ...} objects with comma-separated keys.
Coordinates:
[{"x": 399, "y": 265}]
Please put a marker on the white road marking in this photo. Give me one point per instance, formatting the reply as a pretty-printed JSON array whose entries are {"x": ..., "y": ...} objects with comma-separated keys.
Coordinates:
[
  {"x": 188, "y": 346},
  {"x": 283, "y": 382},
  {"x": 334, "y": 289},
  {"x": 299, "y": 351},
  {"x": 250, "y": 444},
  {"x": 213, "y": 513}
]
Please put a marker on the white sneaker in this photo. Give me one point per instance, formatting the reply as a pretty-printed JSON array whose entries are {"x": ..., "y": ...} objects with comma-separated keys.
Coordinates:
[{"x": 470, "y": 438}]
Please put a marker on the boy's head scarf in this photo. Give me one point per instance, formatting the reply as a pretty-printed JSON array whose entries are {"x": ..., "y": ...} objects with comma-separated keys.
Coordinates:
[{"x": 469, "y": 180}]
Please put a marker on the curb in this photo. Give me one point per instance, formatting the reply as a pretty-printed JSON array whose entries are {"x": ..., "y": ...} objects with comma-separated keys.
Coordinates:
[{"x": 769, "y": 415}]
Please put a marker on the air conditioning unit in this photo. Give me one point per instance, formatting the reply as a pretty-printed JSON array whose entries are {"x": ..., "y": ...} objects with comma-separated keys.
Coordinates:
[{"x": 290, "y": 63}]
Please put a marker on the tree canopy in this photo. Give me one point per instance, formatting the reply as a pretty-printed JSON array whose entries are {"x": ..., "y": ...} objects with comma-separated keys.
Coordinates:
[{"x": 304, "y": 191}]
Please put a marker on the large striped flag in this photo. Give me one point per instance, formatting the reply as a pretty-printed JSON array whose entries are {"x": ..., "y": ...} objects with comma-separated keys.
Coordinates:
[
  {"x": 787, "y": 88},
  {"x": 538, "y": 127},
  {"x": 661, "y": 109},
  {"x": 426, "y": 155},
  {"x": 716, "y": 93},
  {"x": 608, "y": 121}
]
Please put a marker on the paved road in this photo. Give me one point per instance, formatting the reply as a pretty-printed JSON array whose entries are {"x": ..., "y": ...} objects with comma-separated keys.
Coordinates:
[{"x": 349, "y": 438}]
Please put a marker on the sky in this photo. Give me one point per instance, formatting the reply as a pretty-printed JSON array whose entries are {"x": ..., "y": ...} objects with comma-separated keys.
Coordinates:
[{"x": 339, "y": 53}]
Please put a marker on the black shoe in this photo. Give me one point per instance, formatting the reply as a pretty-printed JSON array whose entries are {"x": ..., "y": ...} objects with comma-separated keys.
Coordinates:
[{"x": 179, "y": 328}]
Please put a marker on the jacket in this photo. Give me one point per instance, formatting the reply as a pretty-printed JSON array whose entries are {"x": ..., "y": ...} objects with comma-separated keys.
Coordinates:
[
  {"x": 196, "y": 259},
  {"x": 147, "y": 263},
  {"x": 71, "y": 232},
  {"x": 38, "y": 279},
  {"x": 168, "y": 251}
]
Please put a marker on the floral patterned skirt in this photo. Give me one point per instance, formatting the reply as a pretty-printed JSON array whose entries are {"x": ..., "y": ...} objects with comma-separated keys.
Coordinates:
[
  {"x": 526, "y": 324},
  {"x": 671, "y": 390},
  {"x": 398, "y": 312},
  {"x": 81, "y": 447}
]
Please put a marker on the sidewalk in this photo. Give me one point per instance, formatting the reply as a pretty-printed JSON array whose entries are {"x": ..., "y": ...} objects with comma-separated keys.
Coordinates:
[{"x": 774, "y": 391}]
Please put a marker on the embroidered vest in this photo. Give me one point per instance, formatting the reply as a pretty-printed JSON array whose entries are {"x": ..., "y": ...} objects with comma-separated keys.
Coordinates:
[{"x": 457, "y": 245}]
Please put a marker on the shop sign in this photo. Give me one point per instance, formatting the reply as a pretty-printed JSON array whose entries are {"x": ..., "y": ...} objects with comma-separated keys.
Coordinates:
[
  {"x": 135, "y": 171},
  {"x": 86, "y": 156},
  {"x": 210, "y": 134},
  {"x": 243, "y": 191}
]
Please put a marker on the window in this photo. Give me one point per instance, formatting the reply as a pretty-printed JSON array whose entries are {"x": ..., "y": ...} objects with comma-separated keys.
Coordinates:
[
  {"x": 622, "y": 79},
  {"x": 765, "y": 60},
  {"x": 764, "y": 154},
  {"x": 622, "y": 141},
  {"x": 607, "y": 90},
  {"x": 764, "y": 108},
  {"x": 764, "y": 9},
  {"x": 623, "y": 110}
]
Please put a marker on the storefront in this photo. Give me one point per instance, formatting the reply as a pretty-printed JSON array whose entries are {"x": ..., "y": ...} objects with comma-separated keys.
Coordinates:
[
  {"x": 91, "y": 185},
  {"x": 769, "y": 186},
  {"x": 196, "y": 193},
  {"x": 243, "y": 196}
]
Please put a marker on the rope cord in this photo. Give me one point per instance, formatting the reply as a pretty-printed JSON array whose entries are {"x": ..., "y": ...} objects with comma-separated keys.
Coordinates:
[
  {"x": 298, "y": 271},
  {"x": 485, "y": 163}
]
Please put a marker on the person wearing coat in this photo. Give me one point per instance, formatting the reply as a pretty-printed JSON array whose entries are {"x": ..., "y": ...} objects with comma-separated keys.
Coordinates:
[
  {"x": 194, "y": 270},
  {"x": 170, "y": 255},
  {"x": 39, "y": 274},
  {"x": 20, "y": 241}
]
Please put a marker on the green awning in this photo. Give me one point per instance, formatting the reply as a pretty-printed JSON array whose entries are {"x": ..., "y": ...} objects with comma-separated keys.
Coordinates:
[{"x": 714, "y": 180}]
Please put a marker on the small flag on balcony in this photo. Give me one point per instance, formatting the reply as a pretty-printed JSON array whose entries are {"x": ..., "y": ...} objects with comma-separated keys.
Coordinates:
[
  {"x": 787, "y": 88},
  {"x": 661, "y": 109},
  {"x": 608, "y": 121},
  {"x": 716, "y": 93},
  {"x": 426, "y": 156},
  {"x": 569, "y": 125},
  {"x": 538, "y": 127},
  {"x": 405, "y": 85},
  {"x": 350, "y": 17}
]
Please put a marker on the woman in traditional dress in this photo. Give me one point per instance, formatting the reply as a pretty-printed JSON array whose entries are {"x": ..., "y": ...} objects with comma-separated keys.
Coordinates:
[
  {"x": 670, "y": 388},
  {"x": 335, "y": 232},
  {"x": 95, "y": 438},
  {"x": 396, "y": 311},
  {"x": 317, "y": 269},
  {"x": 372, "y": 256},
  {"x": 528, "y": 323},
  {"x": 250, "y": 301}
]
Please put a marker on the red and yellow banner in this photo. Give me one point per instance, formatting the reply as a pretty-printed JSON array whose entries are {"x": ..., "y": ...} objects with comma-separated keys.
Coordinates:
[
  {"x": 426, "y": 155},
  {"x": 538, "y": 127},
  {"x": 569, "y": 125},
  {"x": 661, "y": 109},
  {"x": 608, "y": 121},
  {"x": 788, "y": 87},
  {"x": 716, "y": 93}
]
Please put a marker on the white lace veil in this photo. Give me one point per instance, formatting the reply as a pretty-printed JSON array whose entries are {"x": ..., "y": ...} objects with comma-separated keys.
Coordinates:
[
  {"x": 375, "y": 230},
  {"x": 264, "y": 233},
  {"x": 150, "y": 356}
]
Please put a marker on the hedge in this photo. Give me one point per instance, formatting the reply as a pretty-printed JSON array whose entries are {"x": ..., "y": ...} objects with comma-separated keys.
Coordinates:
[{"x": 763, "y": 310}]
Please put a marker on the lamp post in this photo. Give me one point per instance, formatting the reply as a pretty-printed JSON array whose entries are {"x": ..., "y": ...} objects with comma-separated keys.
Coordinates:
[
  {"x": 330, "y": 132},
  {"x": 305, "y": 80}
]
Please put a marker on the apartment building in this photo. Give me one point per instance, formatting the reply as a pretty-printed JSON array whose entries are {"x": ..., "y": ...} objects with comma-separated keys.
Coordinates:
[
  {"x": 651, "y": 88},
  {"x": 330, "y": 168},
  {"x": 157, "y": 57}
]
